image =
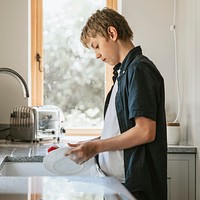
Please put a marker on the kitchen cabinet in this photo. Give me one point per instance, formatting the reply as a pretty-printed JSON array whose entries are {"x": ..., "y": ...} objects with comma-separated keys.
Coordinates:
[{"x": 181, "y": 177}]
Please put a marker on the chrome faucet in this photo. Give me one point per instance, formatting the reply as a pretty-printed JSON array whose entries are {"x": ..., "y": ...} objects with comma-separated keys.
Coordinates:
[{"x": 18, "y": 77}]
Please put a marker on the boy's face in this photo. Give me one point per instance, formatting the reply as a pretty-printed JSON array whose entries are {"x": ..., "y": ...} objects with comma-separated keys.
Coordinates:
[{"x": 106, "y": 50}]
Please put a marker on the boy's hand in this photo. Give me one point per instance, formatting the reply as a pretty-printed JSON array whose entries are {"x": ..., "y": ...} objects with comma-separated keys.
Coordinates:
[{"x": 82, "y": 152}]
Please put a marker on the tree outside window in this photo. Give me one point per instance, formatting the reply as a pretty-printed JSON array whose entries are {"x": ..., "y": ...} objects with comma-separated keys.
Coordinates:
[{"x": 73, "y": 78}]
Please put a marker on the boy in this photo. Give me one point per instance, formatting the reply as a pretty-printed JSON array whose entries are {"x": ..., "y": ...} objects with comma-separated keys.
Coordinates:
[{"x": 133, "y": 145}]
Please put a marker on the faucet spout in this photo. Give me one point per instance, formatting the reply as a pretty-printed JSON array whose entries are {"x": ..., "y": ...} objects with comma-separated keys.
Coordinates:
[{"x": 18, "y": 77}]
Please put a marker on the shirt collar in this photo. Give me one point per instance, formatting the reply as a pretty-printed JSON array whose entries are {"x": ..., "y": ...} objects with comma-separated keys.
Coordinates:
[{"x": 130, "y": 56}]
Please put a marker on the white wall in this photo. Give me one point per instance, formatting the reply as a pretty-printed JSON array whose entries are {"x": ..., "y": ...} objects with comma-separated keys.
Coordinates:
[
  {"x": 150, "y": 21},
  {"x": 14, "y": 53},
  {"x": 197, "y": 93}
]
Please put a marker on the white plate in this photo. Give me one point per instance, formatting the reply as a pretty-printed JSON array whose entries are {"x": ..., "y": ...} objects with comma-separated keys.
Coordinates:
[{"x": 56, "y": 162}]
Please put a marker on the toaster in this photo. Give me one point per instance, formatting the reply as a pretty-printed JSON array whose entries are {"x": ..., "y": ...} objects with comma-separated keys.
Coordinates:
[{"x": 36, "y": 123}]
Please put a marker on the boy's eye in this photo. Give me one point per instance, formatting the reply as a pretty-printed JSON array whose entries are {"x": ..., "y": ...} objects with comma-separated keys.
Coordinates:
[{"x": 94, "y": 46}]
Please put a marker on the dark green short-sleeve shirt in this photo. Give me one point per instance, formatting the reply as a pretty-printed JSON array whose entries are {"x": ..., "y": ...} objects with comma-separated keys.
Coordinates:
[{"x": 141, "y": 93}]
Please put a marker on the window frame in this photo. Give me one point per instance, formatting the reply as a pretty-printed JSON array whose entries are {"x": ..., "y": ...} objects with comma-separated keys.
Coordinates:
[{"x": 37, "y": 74}]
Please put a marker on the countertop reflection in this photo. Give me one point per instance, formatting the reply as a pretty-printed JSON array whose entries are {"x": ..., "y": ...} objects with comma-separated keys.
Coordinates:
[{"x": 63, "y": 188}]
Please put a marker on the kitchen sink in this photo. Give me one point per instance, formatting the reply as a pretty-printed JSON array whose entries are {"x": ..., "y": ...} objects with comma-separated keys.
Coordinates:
[
  {"x": 33, "y": 166},
  {"x": 24, "y": 166},
  {"x": 24, "y": 169}
]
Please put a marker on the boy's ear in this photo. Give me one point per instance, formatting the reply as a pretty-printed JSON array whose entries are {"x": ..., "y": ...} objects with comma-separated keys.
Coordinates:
[{"x": 112, "y": 32}]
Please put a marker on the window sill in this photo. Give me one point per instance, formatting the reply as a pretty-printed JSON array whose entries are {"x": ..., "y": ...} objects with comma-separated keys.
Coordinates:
[{"x": 83, "y": 132}]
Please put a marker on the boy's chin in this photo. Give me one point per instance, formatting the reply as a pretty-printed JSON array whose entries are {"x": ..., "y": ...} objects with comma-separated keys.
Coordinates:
[{"x": 111, "y": 64}]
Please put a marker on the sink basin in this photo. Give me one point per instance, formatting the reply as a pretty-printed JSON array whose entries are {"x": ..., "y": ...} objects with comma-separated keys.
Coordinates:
[
  {"x": 33, "y": 166},
  {"x": 24, "y": 166},
  {"x": 24, "y": 169}
]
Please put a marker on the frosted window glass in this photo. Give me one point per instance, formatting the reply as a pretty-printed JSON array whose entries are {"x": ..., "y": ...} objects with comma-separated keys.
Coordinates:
[{"x": 73, "y": 77}]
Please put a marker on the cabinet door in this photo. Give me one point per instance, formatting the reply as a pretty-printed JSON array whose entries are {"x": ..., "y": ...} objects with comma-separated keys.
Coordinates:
[{"x": 181, "y": 177}]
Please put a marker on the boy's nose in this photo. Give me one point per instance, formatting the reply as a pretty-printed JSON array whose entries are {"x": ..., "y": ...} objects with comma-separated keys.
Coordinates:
[{"x": 98, "y": 55}]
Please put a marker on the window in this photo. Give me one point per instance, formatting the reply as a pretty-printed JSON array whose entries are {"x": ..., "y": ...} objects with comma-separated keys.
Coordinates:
[{"x": 52, "y": 73}]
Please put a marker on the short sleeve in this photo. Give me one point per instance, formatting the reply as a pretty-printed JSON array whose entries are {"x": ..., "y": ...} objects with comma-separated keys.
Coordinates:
[{"x": 143, "y": 92}]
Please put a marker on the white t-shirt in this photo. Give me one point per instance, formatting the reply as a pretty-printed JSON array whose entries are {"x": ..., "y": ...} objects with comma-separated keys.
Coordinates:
[{"x": 112, "y": 162}]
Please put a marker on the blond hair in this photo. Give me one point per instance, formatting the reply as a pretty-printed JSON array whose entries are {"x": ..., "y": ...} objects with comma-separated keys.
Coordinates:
[{"x": 99, "y": 22}]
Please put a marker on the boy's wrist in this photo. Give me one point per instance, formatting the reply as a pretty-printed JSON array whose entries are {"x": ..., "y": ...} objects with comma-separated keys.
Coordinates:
[{"x": 98, "y": 144}]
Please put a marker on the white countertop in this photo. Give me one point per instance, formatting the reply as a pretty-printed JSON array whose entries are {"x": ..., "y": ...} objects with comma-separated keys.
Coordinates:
[
  {"x": 35, "y": 152},
  {"x": 62, "y": 188}
]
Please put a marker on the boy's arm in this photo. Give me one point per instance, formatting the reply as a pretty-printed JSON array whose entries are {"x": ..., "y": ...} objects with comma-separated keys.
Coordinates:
[{"x": 143, "y": 132}]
